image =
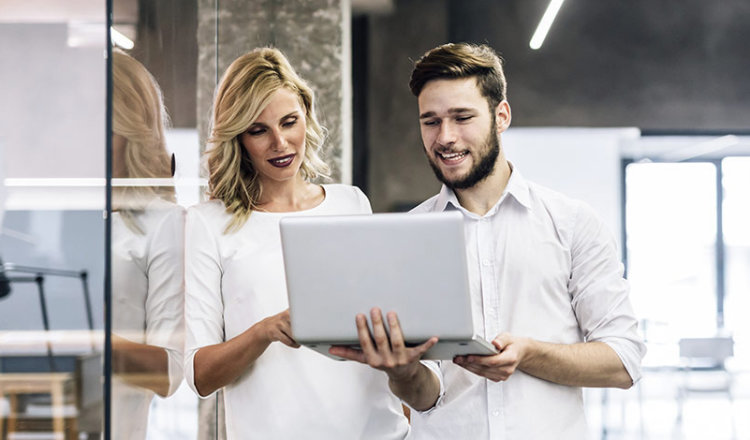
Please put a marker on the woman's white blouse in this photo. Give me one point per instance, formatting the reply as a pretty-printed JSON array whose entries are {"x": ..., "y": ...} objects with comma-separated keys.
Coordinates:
[{"x": 233, "y": 280}]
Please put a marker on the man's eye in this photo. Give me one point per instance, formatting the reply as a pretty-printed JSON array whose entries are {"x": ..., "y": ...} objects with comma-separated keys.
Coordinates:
[
  {"x": 463, "y": 118},
  {"x": 430, "y": 122}
]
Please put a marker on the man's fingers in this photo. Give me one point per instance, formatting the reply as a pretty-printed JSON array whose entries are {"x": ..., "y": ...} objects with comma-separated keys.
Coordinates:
[
  {"x": 501, "y": 341},
  {"x": 397, "y": 337},
  {"x": 347, "y": 353},
  {"x": 378, "y": 331},
  {"x": 422, "y": 348},
  {"x": 363, "y": 332}
]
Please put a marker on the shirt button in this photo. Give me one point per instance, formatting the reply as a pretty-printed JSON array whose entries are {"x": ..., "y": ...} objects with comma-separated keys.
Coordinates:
[
  {"x": 496, "y": 412},
  {"x": 486, "y": 262}
]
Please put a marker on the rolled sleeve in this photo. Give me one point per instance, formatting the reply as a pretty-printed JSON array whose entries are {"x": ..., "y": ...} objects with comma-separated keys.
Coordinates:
[
  {"x": 601, "y": 294},
  {"x": 434, "y": 366}
]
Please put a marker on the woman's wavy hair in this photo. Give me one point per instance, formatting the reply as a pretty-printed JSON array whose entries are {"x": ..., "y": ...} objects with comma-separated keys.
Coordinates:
[
  {"x": 138, "y": 115},
  {"x": 242, "y": 94}
]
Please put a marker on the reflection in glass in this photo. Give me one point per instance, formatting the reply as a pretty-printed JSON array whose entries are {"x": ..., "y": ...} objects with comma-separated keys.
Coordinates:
[{"x": 147, "y": 251}]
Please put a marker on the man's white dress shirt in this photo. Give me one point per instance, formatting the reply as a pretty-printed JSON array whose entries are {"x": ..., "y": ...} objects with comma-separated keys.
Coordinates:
[
  {"x": 235, "y": 280},
  {"x": 543, "y": 266}
]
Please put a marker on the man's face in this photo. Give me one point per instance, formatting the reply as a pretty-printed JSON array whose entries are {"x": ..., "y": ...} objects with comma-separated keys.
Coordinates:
[{"x": 459, "y": 132}]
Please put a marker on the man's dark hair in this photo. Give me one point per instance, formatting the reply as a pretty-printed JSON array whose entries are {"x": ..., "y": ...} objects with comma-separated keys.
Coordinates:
[{"x": 462, "y": 60}]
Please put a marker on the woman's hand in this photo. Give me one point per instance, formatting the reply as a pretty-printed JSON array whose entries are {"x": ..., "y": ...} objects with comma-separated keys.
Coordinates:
[
  {"x": 218, "y": 365},
  {"x": 278, "y": 328}
]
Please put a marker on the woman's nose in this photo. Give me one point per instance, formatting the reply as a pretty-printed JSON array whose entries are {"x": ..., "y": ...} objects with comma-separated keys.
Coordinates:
[{"x": 278, "y": 140}]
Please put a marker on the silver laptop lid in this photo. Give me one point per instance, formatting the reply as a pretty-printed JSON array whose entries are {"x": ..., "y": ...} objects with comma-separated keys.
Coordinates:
[{"x": 413, "y": 264}]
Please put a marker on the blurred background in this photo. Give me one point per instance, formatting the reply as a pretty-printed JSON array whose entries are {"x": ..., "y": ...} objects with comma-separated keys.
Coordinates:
[{"x": 639, "y": 108}]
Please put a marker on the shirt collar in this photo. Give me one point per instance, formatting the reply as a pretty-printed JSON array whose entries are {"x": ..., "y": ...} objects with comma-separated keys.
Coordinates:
[{"x": 517, "y": 187}]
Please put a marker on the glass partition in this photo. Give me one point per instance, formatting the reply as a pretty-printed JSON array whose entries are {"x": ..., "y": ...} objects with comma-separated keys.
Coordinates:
[
  {"x": 52, "y": 200},
  {"x": 154, "y": 163}
]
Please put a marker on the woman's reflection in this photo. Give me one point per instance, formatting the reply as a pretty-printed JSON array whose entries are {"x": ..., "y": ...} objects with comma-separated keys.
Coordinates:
[{"x": 147, "y": 252}]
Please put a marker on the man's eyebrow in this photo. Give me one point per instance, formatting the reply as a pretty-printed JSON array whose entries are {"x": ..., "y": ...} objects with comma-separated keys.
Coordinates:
[{"x": 452, "y": 111}]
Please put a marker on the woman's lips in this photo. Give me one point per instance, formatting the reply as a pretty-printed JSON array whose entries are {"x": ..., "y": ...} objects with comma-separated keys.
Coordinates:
[{"x": 283, "y": 161}]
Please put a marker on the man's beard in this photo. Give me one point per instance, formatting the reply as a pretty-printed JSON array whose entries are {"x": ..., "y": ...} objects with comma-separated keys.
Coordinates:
[{"x": 481, "y": 169}]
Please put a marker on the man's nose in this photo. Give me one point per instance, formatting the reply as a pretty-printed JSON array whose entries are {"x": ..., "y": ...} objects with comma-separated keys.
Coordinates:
[{"x": 447, "y": 134}]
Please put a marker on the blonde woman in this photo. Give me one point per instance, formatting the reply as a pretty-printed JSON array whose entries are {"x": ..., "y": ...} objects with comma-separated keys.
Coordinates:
[
  {"x": 264, "y": 154},
  {"x": 147, "y": 252}
]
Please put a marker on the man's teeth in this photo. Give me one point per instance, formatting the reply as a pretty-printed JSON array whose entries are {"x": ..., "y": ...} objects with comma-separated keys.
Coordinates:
[{"x": 451, "y": 156}]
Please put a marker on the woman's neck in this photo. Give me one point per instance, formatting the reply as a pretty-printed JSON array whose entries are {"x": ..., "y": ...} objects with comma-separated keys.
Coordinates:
[{"x": 294, "y": 195}]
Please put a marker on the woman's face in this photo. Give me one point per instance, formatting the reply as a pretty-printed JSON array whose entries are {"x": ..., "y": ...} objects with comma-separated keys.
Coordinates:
[{"x": 276, "y": 140}]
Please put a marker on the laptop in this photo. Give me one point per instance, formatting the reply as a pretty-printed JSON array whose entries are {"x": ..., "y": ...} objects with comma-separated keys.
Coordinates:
[{"x": 413, "y": 264}]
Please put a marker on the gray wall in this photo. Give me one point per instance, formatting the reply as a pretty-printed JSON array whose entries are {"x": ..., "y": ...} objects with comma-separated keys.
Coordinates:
[
  {"x": 653, "y": 65},
  {"x": 398, "y": 172}
]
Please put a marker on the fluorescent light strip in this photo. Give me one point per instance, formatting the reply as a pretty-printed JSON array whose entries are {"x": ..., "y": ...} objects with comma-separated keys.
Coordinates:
[
  {"x": 128, "y": 182},
  {"x": 701, "y": 149},
  {"x": 121, "y": 40},
  {"x": 47, "y": 182},
  {"x": 94, "y": 182},
  {"x": 546, "y": 22}
]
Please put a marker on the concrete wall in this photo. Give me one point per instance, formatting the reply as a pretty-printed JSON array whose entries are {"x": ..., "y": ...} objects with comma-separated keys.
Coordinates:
[{"x": 314, "y": 35}]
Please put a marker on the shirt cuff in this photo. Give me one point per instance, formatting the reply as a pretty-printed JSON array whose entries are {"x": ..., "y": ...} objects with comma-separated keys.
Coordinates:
[
  {"x": 190, "y": 373},
  {"x": 434, "y": 366},
  {"x": 174, "y": 368},
  {"x": 630, "y": 353}
]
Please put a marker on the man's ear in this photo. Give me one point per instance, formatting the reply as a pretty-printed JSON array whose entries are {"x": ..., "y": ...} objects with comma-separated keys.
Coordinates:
[{"x": 502, "y": 116}]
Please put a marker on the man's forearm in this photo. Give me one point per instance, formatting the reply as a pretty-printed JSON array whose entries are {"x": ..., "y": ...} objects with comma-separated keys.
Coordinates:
[
  {"x": 420, "y": 390},
  {"x": 586, "y": 364}
]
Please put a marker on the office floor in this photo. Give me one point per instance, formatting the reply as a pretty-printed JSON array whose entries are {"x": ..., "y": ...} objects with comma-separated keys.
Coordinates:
[
  {"x": 646, "y": 411},
  {"x": 650, "y": 410}
]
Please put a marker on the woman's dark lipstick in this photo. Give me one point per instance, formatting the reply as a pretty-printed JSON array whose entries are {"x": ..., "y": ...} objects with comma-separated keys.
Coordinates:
[{"x": 283, "y": 161}]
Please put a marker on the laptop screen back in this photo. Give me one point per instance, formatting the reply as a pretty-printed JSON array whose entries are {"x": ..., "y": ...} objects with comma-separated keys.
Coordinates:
[{"x": 413, "y": 264}]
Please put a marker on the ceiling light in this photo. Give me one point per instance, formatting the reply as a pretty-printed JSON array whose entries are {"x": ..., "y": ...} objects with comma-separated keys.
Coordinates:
[
  {"x": 701, "y": 149},
  {"x": 546, "y": 22}
]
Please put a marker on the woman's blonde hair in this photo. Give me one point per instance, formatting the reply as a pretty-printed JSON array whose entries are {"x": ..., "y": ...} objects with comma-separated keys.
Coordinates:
[
  {"x": 139, "y": 116},
  {"x": 243, "y": 93}
]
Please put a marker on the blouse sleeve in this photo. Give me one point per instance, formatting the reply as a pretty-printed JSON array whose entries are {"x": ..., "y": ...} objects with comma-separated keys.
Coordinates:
[
  {"x": 165, "y": 299},
  {"x": 364, "y": 202},
  {"x": 204, "y": 308}
]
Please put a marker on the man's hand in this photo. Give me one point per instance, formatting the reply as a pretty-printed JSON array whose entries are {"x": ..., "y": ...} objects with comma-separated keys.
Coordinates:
[
  {"x": 381, "y": 352},
  {"x": 408, "y": 379},
  {"x": 498, "y": 367},
  {"x": 583, "y": 364}
]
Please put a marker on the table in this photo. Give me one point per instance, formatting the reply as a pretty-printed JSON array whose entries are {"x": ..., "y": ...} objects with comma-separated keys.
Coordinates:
[{"x": 61, "y": 388}]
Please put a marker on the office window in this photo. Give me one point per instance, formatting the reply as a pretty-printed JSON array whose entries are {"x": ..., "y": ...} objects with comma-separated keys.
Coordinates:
[
  {"x": 671, "y": 245},
  {"x": 736, "y": 223}
]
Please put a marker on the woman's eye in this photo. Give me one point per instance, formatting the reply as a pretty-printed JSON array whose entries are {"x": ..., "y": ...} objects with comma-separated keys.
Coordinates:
[
  {"x": 290, "y": 122},
  {"x": 256, "y": 131}
]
